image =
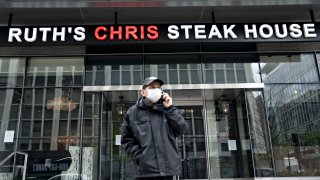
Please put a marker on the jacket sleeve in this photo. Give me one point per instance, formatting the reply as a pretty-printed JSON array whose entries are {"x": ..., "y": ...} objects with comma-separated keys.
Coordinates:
[
  {"x": 176, "y": 121},
  {"x": 129, "y": 142}
]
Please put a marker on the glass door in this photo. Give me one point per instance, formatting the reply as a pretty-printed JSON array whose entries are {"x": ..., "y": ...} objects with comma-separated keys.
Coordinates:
[
  {"x": 229, "y": 147},
  {"x": 109, "y": 160},
  {"x": 237, "y": 134},
  {"x": 227, "y": 138},
  {"x": 192, "y": 145},
  {"x": 102, "y": 156}
]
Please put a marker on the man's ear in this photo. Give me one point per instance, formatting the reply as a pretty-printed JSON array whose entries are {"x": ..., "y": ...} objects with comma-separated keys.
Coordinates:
[{"x": 143, "y": 92}]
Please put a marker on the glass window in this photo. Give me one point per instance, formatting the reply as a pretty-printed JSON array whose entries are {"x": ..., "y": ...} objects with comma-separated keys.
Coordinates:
[
  {"x": 92, "y": 113},
  {"x": 260, "y": 140},
  {"x": 231, "y": 76},
  {"x": 229, "y": 136},
  {"x": 114, "y": 70},
  {"x": 49, "y": 133},
  {"x": 175, "y": 69},
  {"x": 220, "y": 77},
  {"x": 299, "y": 68},
  {"x": 318, "y": 59},
  {"x": 295, "y": 146},
  {"x": 10, "y": 100},
  {"x": 9, "y": 103},
  {"x": 53, "y": 71},
  {"x": 239, "y": 68},
  {"x": 12, "y": 72}
]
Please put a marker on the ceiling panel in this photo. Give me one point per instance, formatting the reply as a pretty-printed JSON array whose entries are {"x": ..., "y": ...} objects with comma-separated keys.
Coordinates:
[
  {"x": 193, "y": 14},
  {"x": 160, "y": 15},
  {"x": 262, "y": 13},
  {"x": 43, "y": 16},
  {"x": 146, "y": 3}
]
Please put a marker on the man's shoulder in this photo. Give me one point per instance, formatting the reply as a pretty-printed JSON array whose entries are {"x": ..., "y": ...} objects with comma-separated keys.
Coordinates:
[
  {"x": 133, "y": 108},
  {"x": 133, "y": 111}
]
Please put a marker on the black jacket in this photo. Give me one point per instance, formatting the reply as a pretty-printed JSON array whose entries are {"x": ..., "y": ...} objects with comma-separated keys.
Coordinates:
[{"x": 148, "y": 136}]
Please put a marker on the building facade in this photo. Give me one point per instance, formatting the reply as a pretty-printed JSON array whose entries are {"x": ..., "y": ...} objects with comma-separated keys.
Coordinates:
[{"x": 245, "y": 75}]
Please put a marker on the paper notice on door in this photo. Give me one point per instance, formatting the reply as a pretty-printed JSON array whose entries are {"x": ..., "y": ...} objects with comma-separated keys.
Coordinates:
[
  {"x": 232, "y": 145},
  {"x": 118, "y": 140},
  {"x": 8, "y": 136}
]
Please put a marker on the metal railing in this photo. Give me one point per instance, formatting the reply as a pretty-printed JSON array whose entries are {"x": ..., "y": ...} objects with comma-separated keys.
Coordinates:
[{"x": 24, "y": 164}]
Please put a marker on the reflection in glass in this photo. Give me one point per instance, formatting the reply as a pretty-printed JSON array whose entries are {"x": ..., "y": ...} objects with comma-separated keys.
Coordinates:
[
  {"x": 192, "y": 145},
  {"x": 9, "y": 110},
  {"x": 260, "y": 140},
  {"x": 229, "y": 150},
  {"x": 11, "y": 72},
  {"x": 51, "y": 139},
  {"x": 318, "y": 61},
  {"x": 114, "y": 70},
  {"x": 53, "y": 71},
  {"x": 294, "y": 112},
  {"x": 174, "y": 69},
  {"x": 289, "y": 68},
  {"x": 221, "y": 73},
  {"x": 105, "y": 121}
]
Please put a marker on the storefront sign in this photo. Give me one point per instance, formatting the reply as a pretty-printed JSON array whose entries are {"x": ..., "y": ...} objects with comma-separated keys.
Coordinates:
[{"x": 162, "y": 33}]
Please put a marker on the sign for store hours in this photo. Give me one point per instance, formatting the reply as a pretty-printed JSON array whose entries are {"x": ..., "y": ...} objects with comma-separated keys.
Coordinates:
[{"x": 107, "y": 34}]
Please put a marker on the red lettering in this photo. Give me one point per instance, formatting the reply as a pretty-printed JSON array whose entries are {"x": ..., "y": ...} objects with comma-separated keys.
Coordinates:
[
  {"x": 142, "y": 32},
  {"x": 152, "y": 32},
  {"x": 131, "y": 30},
  {"x": 114, "y": 32},
  {"x": 96, "y": 33},
  {"x": 137, "y": 33}
]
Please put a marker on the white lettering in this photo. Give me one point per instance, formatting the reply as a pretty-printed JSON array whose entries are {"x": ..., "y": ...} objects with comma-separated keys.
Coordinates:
[
  {"x": 80, "y": 34},
  {"x": 278, "y": 33},
  {"x": 253, "y": 30},
  {"x": 295, "y": 30},
  {"x": 27, "y": 34},
  {"x": 186, "y": 30},
  {"x": 228, "y": 30},
  {"x": 44, "y": 33},
  {"x": 200, "y": 29},
  {"x": 214, "y": 31},
  {"x": 262, "y": 29},
  {"x": 56, "y": 33},
  {"x": 14, "y": 32},
  {"x": 309, "y": 30},
  {"x": 173, "y": 32}
]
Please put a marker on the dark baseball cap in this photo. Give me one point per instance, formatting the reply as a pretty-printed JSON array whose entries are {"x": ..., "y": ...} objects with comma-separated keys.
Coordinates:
[{"x": 149, "y": 80}]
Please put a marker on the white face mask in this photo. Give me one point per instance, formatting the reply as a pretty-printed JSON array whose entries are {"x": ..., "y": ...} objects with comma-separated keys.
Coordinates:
[{"x": 154, "y": 94}]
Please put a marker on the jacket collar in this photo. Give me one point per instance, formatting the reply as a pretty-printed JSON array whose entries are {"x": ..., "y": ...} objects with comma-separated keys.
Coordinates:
[{"x": 141, "y": 103}]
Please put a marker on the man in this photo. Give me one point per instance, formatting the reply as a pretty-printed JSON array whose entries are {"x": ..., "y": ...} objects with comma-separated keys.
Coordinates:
[{"x": 148, "y": 133}]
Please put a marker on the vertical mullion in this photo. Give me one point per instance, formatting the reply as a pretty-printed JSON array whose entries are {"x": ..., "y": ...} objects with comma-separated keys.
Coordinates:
[
  {"x": 100, "y": 135},
  {"x": 178, "y": 73},
  {"x": 81, "y": 132},
  {"x": 32, "y": 119},
  {"x": 81, "y": 118},
  {"x": 44, "y": 95},
  {"x": 189, "y": 72},
  {"x": 268, "y": 126},
  {"x": 19, "y": 115},
  {"x": 249, "y": 119},
  {"x": 235, "y": 72},
  {"x": 43, "y": 107},
  {"x": 317, "y": 64}
]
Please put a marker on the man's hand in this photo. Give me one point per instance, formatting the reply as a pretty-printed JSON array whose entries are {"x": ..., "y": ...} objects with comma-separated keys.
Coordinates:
[{"x": 167, "y": 100}]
